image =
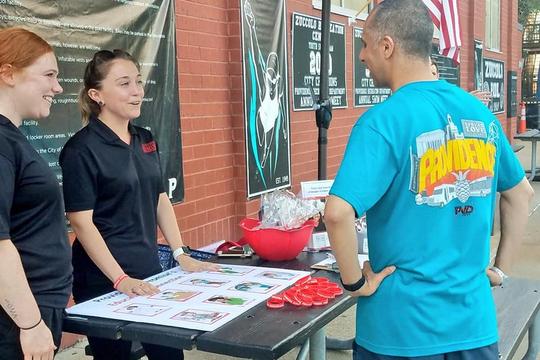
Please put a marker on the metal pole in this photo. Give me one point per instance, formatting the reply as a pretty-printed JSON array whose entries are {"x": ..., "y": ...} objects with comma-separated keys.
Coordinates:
[
  {"x": 324, "y": 108},
  {"x": 303, "y": 354},
  {"x": 534, "y": 339},
  {"x": 317, "y": 346}
]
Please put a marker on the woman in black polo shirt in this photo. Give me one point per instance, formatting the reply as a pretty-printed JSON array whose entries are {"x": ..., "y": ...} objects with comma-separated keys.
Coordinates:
[
  {"x": 114, "y": 195},
  {"x": 35, "y": 268}
]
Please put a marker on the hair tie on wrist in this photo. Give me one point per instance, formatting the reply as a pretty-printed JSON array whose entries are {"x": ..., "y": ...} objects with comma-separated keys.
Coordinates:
[
  {"x": 31, "y": 327},
  {"x": 119, "y": 280}
]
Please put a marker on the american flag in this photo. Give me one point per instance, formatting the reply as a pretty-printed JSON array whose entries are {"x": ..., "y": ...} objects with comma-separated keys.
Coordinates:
[{"x": 446, "y": 18}]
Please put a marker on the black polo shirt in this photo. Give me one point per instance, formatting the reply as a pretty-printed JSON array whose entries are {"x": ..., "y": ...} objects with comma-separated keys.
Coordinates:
[
  {"x": 121, "y": 183},
  {"x": 32, "y": 216}
]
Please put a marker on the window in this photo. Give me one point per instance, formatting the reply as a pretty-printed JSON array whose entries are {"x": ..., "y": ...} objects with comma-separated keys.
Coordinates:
[
  {"x": 352, "y": 4},
  {"x": 350, "y": 8},
  {"x": 493, "y": 24}
]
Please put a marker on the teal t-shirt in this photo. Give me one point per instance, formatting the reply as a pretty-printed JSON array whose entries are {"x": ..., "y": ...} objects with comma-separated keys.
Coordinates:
[{"x": 425, "y": 166}]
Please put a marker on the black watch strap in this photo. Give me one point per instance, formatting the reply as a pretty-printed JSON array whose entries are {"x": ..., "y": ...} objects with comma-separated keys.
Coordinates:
[
  {"x": 187, "y": 250},
  {"x": 353, "y": 287}
]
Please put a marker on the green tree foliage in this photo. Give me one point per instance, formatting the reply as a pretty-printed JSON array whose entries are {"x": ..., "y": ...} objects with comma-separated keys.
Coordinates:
[{"x": 524, "y": 9}]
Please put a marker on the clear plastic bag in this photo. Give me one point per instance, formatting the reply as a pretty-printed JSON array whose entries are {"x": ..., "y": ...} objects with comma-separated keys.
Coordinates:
[{"x": 283, "y": 210}]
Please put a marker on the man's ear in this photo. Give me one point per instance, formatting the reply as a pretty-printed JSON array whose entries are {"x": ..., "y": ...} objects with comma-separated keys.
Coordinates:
[
  {"x": 7, "y": 74},
  {"x": 94, "y": 95},
  {"x": 389, "y": 46}
]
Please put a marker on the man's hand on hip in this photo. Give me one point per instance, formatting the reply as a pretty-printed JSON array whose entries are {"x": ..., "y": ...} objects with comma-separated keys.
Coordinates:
[{"x": 373, "y": 279}]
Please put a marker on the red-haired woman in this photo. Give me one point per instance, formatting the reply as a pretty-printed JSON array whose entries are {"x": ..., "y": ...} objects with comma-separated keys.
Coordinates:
[{"x": 35, "y": 266}]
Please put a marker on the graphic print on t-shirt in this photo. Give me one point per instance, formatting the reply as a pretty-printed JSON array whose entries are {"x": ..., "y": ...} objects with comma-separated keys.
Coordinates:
[{"x": 449, "y": 164}]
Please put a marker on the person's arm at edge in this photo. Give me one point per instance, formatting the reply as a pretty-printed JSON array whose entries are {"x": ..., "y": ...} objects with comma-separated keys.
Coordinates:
[
  {"x": 19, "y": 303},
  {"x": 94, "y": 245},
  {"x": 514, "y": 214},
  {"x": 339, "y": 221},
  {"x": 168, "y": 225}
]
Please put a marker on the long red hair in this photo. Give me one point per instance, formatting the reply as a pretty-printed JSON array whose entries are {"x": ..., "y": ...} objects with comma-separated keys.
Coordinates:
[{"x": 20, "y": 47}]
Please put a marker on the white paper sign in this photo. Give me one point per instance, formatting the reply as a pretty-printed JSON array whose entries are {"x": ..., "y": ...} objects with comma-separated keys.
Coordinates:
[
  {"x": 318, "y": 241},
  {"x": 200, "y": 301},
  {"x": 315, "y": 189}
]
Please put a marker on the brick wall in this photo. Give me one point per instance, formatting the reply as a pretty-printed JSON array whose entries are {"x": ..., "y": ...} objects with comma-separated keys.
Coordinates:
[
  {"x": 211, "y": 109},
  {"x": 211, "y": 105}
]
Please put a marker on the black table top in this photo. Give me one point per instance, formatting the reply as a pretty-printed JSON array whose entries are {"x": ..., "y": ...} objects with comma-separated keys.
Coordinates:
[
  {"x": 263, "y": 333},
  {"x": 530, "y": 135},
  {"x": 260, "y": 333}
]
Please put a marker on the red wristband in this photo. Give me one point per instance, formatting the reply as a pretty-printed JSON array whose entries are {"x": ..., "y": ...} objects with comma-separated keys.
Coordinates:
[{"x": 119, "y": 280}]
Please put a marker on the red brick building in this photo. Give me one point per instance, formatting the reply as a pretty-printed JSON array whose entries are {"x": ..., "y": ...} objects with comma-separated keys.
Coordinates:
[{"x": 211, "y": 87}]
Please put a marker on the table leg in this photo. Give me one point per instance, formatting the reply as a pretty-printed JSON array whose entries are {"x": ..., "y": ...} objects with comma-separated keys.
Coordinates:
[
  {"x": 317, "y": 345},
  {"x": 338, "y": 344},
  {"x": 533, "y": 161},
  {"x": 303, "y": 354},
  {"x": 534, "y": 339}
]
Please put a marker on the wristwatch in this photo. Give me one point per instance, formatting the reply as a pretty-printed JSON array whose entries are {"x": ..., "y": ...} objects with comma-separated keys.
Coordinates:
[
  {"x": 499, "y": 272},
  {"x": 353, "y": 287},
  {"x": 181, "y": 251}
]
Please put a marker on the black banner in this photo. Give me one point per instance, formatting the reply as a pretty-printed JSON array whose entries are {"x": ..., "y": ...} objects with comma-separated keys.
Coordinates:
[
  {"x": 447, "y": 70},
  {"x": 494, "y": 83},
  {"x": 144, "y": 29},
  {"x": 306, "y": 60},
  {"x": 365, "y": 91},
  {"x": 266, "y": 101},
  {"x": 478, "y": 65}
]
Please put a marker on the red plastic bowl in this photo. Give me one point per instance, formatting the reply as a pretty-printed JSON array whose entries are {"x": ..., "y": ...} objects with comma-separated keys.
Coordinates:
[{"x": 275, "y": 244}]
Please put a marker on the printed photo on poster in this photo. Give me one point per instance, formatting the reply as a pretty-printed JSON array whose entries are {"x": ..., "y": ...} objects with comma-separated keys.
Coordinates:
[
  {"x": 277, "y": 275},
  {"x": 266, "y": 104},
  {"x": 231, "y": 270},
  {"x": 254, "y": 287},
  {"x": 227, "y": 300},
  {"x": 199, "y": 316},
  {"x": 205, "y": 282},
  {"x": 143, "y": 309},
  {"x": 174, "y": 295}
]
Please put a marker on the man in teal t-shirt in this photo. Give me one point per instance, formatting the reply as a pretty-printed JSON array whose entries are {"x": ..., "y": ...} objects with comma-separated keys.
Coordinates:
[{"x": 425, "y": 166}]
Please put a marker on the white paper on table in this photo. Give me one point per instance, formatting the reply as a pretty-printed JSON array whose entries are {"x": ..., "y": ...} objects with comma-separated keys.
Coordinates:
[
  {"x": 326, "y": 264},
  {"x": 199, "y": 301}
]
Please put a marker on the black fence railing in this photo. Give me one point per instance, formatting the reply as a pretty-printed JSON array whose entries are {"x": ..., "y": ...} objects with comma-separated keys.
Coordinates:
[
  {"x": 532, "y": 111},
  {"x": 531, "y": 36}
]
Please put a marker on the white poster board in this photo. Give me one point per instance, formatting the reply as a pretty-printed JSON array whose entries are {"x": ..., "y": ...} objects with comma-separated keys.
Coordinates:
[{"x": 200, "y": 301}]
